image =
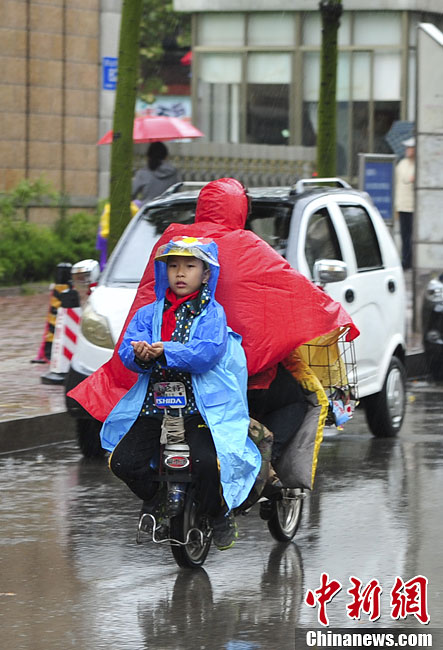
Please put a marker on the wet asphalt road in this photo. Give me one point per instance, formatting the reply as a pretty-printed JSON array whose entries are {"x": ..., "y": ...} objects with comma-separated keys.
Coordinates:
[{"x": 71, "y": 574}]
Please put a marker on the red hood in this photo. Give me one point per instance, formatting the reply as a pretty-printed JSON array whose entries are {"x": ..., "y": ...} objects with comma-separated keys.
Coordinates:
[{"x": 223, "y": 202}]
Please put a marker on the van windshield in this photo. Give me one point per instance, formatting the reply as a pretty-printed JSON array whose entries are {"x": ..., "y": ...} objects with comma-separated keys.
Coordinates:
[{"x": 127, "y": 264}]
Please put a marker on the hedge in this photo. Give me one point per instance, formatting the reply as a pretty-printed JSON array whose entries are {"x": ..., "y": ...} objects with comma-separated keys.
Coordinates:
[{"x": 30, "y": 252}]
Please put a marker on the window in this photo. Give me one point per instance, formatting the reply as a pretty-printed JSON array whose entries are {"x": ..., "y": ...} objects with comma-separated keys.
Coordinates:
[
  {"x": 268, "y": 98},
  {"x": 219, "y": 97},
  {"x": 377, "y": 28},
  {"x": 364, "y": 238},
  {"x": 321, "y": 239},
  {"x": 271, "y": 28},
  {"x": 128, "y": 266},
  {"x": 385, "y": 114},
  {"x": 267, "y": 114},
  {"x": 226, "y": 29},
  {"x": 271, "y": 223}
]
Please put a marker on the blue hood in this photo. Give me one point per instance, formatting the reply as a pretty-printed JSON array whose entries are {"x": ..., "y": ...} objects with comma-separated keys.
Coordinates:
[{"x": 203, "y": 248}]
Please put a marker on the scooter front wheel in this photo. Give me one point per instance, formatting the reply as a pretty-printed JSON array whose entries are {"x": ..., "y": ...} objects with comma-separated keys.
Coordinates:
[
  {"x": 285, "y": 515},
  {"x": 193, "y": 529}
]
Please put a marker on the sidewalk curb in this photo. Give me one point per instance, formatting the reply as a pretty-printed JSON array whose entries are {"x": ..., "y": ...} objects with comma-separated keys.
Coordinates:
[{"x": 26, "y": 433}]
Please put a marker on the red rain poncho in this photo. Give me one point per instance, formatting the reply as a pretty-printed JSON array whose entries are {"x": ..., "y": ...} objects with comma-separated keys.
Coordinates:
[{"x": 274, "y": 308}]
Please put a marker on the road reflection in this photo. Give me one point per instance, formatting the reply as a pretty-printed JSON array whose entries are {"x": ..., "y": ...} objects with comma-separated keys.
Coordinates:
[
  {"x": 196, "y": 617},
  {"x": 72, "y": 575}
]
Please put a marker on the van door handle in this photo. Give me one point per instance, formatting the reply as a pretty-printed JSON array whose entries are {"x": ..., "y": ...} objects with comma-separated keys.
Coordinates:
[{"x": 391, "y": 286}]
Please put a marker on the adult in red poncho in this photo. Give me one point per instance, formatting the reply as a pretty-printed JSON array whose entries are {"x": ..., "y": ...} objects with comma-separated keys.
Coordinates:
[{"x": 273, "y": 307}]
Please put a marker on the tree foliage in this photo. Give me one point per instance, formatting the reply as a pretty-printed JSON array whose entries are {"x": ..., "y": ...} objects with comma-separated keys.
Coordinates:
[
  {"x": 161, "y": 29},
  {"x": 25, "y": 193},
  {"x": 331, "y": 11},
  {"x": 30, "y": 252}
]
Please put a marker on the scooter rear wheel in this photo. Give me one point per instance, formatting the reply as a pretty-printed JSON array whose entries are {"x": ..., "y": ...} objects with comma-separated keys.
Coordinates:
[
  {"x": 286, "y": 514},
  {"x": 187, "y": 526}
]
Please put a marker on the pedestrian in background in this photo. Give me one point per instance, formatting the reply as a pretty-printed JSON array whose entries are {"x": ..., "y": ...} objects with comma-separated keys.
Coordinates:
[
  {"x": 156, "y": 177},
  {"x": 404, "y": 200}
]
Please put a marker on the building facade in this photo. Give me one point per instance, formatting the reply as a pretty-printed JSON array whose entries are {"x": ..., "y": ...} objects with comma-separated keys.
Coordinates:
[
  {"x": 49, "y": 99},
  {"x": 255, "y": 82},
  {"x": 256, "y": 71}
]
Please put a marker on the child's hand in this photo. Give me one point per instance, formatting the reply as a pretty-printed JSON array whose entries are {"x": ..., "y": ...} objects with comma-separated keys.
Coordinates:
[
  {"x": 157, "y": 350},
  {"x": 146, "y": 352},
  {"x": 141, "y": 350}
]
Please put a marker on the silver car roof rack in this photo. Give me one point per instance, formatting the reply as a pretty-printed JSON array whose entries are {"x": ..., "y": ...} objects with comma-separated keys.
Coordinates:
[
  {"x": 303, "y": 183},
  {"x": 184, "y": 186}
]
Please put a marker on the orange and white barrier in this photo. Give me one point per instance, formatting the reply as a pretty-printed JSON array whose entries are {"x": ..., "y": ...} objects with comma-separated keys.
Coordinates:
[
  {"x": 62, "y": 284},
  {"x": 67, "y": 324}
]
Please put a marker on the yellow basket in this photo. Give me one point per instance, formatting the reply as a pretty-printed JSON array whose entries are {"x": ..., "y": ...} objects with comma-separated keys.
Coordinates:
[{"x": 332, "y": 359}]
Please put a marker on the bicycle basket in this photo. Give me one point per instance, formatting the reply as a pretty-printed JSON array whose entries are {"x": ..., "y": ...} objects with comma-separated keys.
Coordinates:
[{"x": 332, "y": 359}]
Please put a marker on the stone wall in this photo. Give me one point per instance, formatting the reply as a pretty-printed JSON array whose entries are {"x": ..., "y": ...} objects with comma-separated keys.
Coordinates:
[{"x": 49, "y": 81}]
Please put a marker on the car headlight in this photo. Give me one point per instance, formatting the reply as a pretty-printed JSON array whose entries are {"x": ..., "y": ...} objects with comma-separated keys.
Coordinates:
[
  {"x": 434, "y": 291},
  {"x": 95, "y": 328}
]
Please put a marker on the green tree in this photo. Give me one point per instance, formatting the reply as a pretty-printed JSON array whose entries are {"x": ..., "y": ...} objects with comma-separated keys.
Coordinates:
[
  {"x": 122, "y": 145},
  {"x": 161, "y": 29},
  {"x": 145, "y": 26},
  {"x": 331, "y": 10},
  {"x": 15, "y": 203}
]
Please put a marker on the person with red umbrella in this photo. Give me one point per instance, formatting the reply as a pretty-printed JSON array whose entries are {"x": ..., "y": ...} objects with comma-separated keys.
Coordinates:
[{"x": 156, "y": 177}]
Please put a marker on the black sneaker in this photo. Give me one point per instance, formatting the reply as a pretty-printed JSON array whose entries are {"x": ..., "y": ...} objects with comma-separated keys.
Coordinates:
[{"x": 224, "y": 531}]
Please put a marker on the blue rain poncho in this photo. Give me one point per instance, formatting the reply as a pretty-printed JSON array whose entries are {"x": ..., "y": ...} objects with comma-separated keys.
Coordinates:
[{"x": 216, "y": 360}]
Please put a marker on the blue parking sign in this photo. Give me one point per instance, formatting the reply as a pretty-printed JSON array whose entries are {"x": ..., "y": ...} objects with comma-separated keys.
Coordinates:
[
  {"x": 376, "y": 177},
  {"x": 109, "y": 74}
]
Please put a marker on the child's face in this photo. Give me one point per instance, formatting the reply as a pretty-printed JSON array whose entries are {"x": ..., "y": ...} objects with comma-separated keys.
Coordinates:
[{"x": 186, "y": 274}]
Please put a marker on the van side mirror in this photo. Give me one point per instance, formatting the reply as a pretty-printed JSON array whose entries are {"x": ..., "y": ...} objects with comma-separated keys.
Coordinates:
[
  {"x": 85, "y": 272},
  {"x": 326, "y": 271}
]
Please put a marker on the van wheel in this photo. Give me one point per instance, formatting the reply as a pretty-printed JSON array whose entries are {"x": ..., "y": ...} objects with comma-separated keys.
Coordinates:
[
  {"x": 385, "y": 410},
  {"x": 88, "y": 437}
]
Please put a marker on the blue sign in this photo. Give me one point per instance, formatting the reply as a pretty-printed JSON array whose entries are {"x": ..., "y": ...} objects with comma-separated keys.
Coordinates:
[
  {"x": 109, "y": 74},
  {"x": 173, "y": 401},
  {"x": 378, "y": 182}
]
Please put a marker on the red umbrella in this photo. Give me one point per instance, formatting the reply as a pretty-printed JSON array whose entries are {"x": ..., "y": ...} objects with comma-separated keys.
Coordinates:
[
  {"x": 186, "y": 58},
  {"x": 150, "y": 128}
]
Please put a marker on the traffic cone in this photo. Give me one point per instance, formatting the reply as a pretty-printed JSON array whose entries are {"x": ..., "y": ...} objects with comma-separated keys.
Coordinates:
[
  {"x": 62, "y": 283},
  {"x": 67, "y": 324}
]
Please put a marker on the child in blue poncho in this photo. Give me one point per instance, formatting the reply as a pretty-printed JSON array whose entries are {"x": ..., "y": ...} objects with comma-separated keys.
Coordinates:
[{"x": 183, "y": 336}]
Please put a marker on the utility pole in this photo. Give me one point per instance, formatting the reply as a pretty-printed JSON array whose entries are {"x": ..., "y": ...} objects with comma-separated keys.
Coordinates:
[
  {"x": 331, "y": 11},
  {"x": 122, "y": 145}
]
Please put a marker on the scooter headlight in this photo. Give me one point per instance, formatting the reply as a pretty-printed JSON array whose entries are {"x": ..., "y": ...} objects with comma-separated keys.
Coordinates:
[{"x": 95, "y": 328}]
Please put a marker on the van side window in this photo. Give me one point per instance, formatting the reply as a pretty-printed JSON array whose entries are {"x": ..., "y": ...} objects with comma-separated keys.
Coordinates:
[
  {"x": 364, "y": 238},
  {"x": 321, "y": 239}
]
